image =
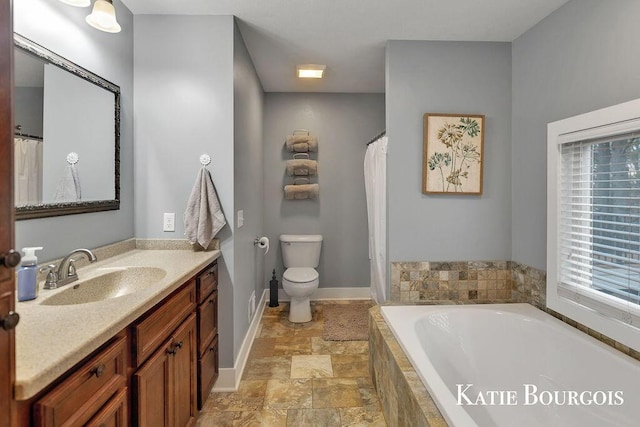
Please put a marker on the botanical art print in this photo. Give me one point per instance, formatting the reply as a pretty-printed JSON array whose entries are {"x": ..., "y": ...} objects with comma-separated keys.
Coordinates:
[{"x": 453, "y": 160}]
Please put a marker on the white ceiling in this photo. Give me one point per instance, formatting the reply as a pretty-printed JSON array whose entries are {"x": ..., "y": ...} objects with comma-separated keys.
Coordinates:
[{"x": 349, "y": 35}]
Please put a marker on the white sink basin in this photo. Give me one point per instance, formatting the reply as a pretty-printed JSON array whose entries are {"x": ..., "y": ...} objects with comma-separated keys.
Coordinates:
[{"x": 113, "y": 283}]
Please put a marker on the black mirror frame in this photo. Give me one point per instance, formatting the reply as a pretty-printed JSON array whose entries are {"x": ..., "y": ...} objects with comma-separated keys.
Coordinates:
[{"x": 72, "y": 208}]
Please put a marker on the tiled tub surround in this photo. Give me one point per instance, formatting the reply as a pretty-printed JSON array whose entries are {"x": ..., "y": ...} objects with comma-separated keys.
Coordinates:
[
  {"x": 444, "y": 282},
  {"x": 404, "y": 398},
  {"x": 452, "y": 345}
]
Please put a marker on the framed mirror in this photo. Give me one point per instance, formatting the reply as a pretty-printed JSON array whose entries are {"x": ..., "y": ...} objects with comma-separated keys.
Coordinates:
[{"x": 67, "y": 136}]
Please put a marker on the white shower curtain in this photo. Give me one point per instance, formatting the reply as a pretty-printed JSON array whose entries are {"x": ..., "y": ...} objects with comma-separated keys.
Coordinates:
[
  {"x": 28, "y": 171},
  {"x": 375, "y": 182}
]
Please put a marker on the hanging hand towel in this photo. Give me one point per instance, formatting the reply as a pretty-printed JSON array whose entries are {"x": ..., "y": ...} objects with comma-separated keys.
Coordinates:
[
  {"x": 203, "y": 218},
  {"x": 301, "y": 191},
  {"x": 68, "y": 189},
  {"x": 302, "y": 167},
  {"x": 301, "y": 143}
]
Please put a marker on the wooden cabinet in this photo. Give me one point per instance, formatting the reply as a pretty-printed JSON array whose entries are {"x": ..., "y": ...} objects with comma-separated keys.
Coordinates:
[
  {"x": 114, "y": 413},
  {"x": 83, "y": 395},
  {"x": 156, "y": 372},
  {"x": 207, "y": 293},
  {"x": 165, "y": 385}
]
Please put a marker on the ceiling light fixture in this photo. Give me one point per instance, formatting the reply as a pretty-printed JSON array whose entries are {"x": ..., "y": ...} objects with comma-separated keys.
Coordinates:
[
  {"x": 310, "y": 71},
  {"x": 103, "y": 17},
  {"x": 77, "y": 3}
]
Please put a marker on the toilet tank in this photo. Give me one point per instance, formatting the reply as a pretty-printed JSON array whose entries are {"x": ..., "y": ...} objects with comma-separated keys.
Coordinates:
[{"x": 301, "y": 250}]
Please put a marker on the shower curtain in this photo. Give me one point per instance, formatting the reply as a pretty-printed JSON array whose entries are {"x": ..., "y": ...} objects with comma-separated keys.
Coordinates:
[
  {"x": 375, "y": 180},
  {"x": 28, "y": 171}
]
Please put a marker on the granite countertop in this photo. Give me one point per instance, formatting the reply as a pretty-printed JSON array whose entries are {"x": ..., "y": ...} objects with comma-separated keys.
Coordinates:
[{"x": 51, "y": 339}]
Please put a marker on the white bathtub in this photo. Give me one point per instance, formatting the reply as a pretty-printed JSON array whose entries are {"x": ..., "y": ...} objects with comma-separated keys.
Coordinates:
[{"x": 515, "y": 356}]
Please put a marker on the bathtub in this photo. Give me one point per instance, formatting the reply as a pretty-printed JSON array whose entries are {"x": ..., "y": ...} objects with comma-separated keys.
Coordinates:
[{"x": 512, "y": 364}]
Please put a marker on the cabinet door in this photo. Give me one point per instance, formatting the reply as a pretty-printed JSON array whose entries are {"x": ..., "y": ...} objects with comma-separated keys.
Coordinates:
[
  {"x": 113, "y": 414},
  {"x": 207, "y": 322},
  {"x": 153, "y": 390},
  {"x": 183, "y": 364}
]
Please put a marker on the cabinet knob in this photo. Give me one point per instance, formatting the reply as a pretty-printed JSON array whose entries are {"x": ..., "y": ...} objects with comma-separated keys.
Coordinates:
[
  {"x": 211, "y": 272},
  {"x": 179, "y": 345},
  {"x": 11, "y": 259},
  {"x": 98, "y": 370},
  {"x": 10, "y": 321},
  {"x": 172, "y": 351},
  {"x": 211, "y": 301}
]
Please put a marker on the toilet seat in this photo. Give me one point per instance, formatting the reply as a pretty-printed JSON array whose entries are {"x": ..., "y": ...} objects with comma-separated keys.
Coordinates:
[{"x": 300, "y": 275}]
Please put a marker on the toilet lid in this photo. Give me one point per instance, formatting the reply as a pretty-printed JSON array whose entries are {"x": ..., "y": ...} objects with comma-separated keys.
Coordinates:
[{"x": 300, "y": 275}]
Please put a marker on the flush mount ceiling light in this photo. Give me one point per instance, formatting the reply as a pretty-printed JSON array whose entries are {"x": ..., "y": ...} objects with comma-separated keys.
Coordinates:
[
  {"x": 310, "y": 71},
  {"x": 77, "y": 3},
  {"x": 103, "y": 17}
]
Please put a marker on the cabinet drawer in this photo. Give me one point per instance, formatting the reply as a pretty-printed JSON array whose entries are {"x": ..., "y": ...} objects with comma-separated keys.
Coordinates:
[
  {"x": 208, "y": 368},
  {"x": 113, "y": 414},
  {"x": 155, "y": 328},
  {"x": 207, "y": 321},
  {"x": 76, "y": 400},
  {"x": 207, "y": 282}
]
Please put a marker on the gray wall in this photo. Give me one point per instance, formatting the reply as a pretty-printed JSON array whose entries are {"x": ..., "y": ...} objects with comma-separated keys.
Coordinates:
[
  {"x": 184, "y": 108},
  {"x": 78, "y": 117},
  {"x": 447, "y": 77},
  {"x": 578, "y": 59},
  {"x": 28, "y": 109},
  {"x": 343, "y": 123},
  {"x": 63, "y": 30},
  {"x": 248, "y": 100}
]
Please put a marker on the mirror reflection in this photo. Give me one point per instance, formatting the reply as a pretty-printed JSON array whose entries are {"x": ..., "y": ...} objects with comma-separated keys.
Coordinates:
[{"x": 66, "y": 136}]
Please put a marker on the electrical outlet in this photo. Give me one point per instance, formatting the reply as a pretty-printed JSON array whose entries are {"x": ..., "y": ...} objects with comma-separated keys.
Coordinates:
[
  {"x": 240, "y": 218},
  {"x": 169, "y": 222}
]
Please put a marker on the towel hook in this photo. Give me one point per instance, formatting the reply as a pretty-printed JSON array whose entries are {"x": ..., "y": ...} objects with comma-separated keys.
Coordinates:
[
  {"x": 205, "y": 159},
  {"x": 72, "y": 158}
]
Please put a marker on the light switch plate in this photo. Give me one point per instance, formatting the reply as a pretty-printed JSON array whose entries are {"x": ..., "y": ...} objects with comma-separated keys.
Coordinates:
[
  {"x": 240, "y": 218},
  {"x": 169, "y": 222}
]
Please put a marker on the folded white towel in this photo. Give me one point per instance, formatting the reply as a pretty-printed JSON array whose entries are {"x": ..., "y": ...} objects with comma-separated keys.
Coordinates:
[
  {"x": 203, "y": 218},
  {"x": 302, "y": 167},
  {"x": 68, "y": 189},
  {"x": 301, "y": 143}
]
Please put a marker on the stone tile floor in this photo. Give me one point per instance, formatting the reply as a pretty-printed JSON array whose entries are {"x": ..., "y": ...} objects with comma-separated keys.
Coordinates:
[{"x": 295, "y": 378}]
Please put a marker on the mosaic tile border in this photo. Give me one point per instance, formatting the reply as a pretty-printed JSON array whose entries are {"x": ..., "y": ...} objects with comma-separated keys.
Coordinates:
[{"x": 437, "y": 282}]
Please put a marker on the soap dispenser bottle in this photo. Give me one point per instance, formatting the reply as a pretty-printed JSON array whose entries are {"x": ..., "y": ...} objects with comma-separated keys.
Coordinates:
[{"x": 28, "y": 275}]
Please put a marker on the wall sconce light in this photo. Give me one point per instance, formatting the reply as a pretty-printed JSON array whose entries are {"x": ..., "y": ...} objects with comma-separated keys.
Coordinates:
[
  {"x": 310, "y": 71},
  {"x": 103, "y": 17}
]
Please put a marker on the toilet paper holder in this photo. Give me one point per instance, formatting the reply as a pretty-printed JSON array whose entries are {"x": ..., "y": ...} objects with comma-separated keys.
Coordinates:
[{"x": 262, "y": 243}]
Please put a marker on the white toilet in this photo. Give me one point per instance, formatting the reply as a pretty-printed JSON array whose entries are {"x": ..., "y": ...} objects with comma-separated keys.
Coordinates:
[{"x": 301, "y": 254}]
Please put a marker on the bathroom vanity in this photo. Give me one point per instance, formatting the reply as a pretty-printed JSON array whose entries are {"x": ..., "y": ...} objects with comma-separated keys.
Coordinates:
[{"x": 147, "y": 358}]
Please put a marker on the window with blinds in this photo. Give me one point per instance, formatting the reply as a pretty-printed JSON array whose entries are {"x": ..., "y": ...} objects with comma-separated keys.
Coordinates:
[
  {"x": 600, "y": 222},
  {"x": 593, "y": 220}
]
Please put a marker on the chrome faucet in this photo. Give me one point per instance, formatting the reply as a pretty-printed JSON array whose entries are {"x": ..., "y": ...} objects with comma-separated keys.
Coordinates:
[{"x": 66, "y": 272}]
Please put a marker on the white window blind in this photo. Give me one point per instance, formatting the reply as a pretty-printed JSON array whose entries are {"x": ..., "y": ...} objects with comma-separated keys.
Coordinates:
[{"x": 599, "y": 225}]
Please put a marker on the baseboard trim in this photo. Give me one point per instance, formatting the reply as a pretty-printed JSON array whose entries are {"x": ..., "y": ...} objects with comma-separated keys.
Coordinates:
[
  {"x": 333, "y": 294},
  {"x": 229, "y": 378}
]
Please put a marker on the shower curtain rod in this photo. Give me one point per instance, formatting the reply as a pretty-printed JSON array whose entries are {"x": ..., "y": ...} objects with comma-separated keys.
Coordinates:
[
  {"x": 26, "y": 135},
  {"x": 378, "y": 136}
]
